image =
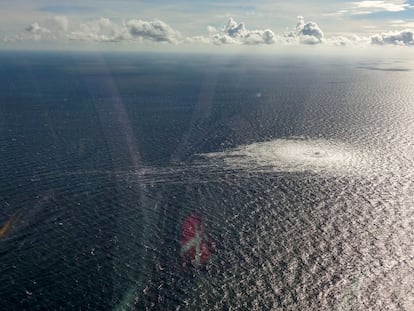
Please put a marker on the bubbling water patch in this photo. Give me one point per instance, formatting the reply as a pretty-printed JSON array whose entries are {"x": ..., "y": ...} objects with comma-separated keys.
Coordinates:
[{"x": 295, "y": 155}]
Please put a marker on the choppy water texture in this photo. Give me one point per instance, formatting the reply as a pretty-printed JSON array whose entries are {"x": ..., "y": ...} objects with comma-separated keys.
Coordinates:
[{"x": 301, "y": 168}]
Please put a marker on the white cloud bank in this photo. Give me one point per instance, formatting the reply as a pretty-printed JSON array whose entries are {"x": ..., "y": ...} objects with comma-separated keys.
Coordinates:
[
  {"x": 347, "y": 41},
  {"x": 104, "y": 30},
  {"x": 404, "y": 38},
  {"x": 99, "y": 30},
  {"x": 237, "y": 33},
  {"x": 136, "y": 30}
]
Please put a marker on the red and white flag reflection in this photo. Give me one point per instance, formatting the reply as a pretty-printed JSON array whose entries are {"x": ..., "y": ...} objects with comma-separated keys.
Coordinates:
[{"x": 196, "y": 246}]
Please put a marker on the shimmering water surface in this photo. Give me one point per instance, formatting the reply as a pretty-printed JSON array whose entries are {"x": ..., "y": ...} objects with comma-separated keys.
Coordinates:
[{"x": 302, "y": 169}]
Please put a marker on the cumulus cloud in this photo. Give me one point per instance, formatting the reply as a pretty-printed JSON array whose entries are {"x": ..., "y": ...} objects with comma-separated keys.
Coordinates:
[
  {"x": 234, "y": 29},
  {"x": 237, "y": 33},
  {"x": 36, "y": 30},
  {"x": 152, "y": 30},
  {"x": 100, "y": 30},
  {"x": 220, "y": 38},
  {"x": 306, "y": 32},
  {"x": 104, "y": 30},
  {"x": 404, "y": 38}
]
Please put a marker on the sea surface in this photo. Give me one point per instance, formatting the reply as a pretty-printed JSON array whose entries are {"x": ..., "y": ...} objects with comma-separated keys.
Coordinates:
[{"x": 301, "y": 167}]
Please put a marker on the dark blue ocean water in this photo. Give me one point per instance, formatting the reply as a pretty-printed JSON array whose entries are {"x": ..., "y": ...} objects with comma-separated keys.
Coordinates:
[{"x": 300, "y": 166}]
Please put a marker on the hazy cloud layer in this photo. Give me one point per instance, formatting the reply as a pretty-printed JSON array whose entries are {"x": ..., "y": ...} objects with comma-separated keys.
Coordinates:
[
  {"x": 401, "y": 24},
  {"x": 404, "y": 38},
  {"x": 374, "y": 6},
  {"x": 60, "y": 23},
  {"x": 198, "y": 40},
  {"x": 348, "y": 41}
]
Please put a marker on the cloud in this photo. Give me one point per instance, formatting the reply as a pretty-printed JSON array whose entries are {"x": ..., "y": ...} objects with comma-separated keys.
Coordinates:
[
  {"x": 33, "y": 32},
  {"x": 306, "y": 33},
  {"x": 373, "y": 6},
  {"x": 402, "y": 38},
  {"x": 99, "y": 30},
  {"x": 260, "y": 36},
  {"x": 16, "y": 37},
  {"x": 211, "y": 29},
  {"x": 104, "y": 30},
  {"x": 36, "y": 29},
  {"x": 61, "y": 23},
  {"x": 136, "y": 30},
  {"x": 234, "y": 29},
  {"x": 198, "y": 40},
  {"x": 401, "y": 24},
  {"x": 153, "y": 30},
  {"x": 237, "y": 33},
  {"x": 51, "y": 28},
  {"x": 220, "y": 39},
  {"x": 348, "y": 41}
]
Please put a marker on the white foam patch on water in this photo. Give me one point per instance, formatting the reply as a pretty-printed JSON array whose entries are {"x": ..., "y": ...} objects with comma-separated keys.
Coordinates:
[{"x": 295, "y": 155}]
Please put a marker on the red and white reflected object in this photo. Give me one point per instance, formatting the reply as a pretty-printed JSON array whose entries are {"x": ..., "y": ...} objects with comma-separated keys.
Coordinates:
[{"x": 196, "y": 246}]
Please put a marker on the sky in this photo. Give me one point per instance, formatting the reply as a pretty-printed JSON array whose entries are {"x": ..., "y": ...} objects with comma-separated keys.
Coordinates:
[{"x": 185, "y": 24}]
